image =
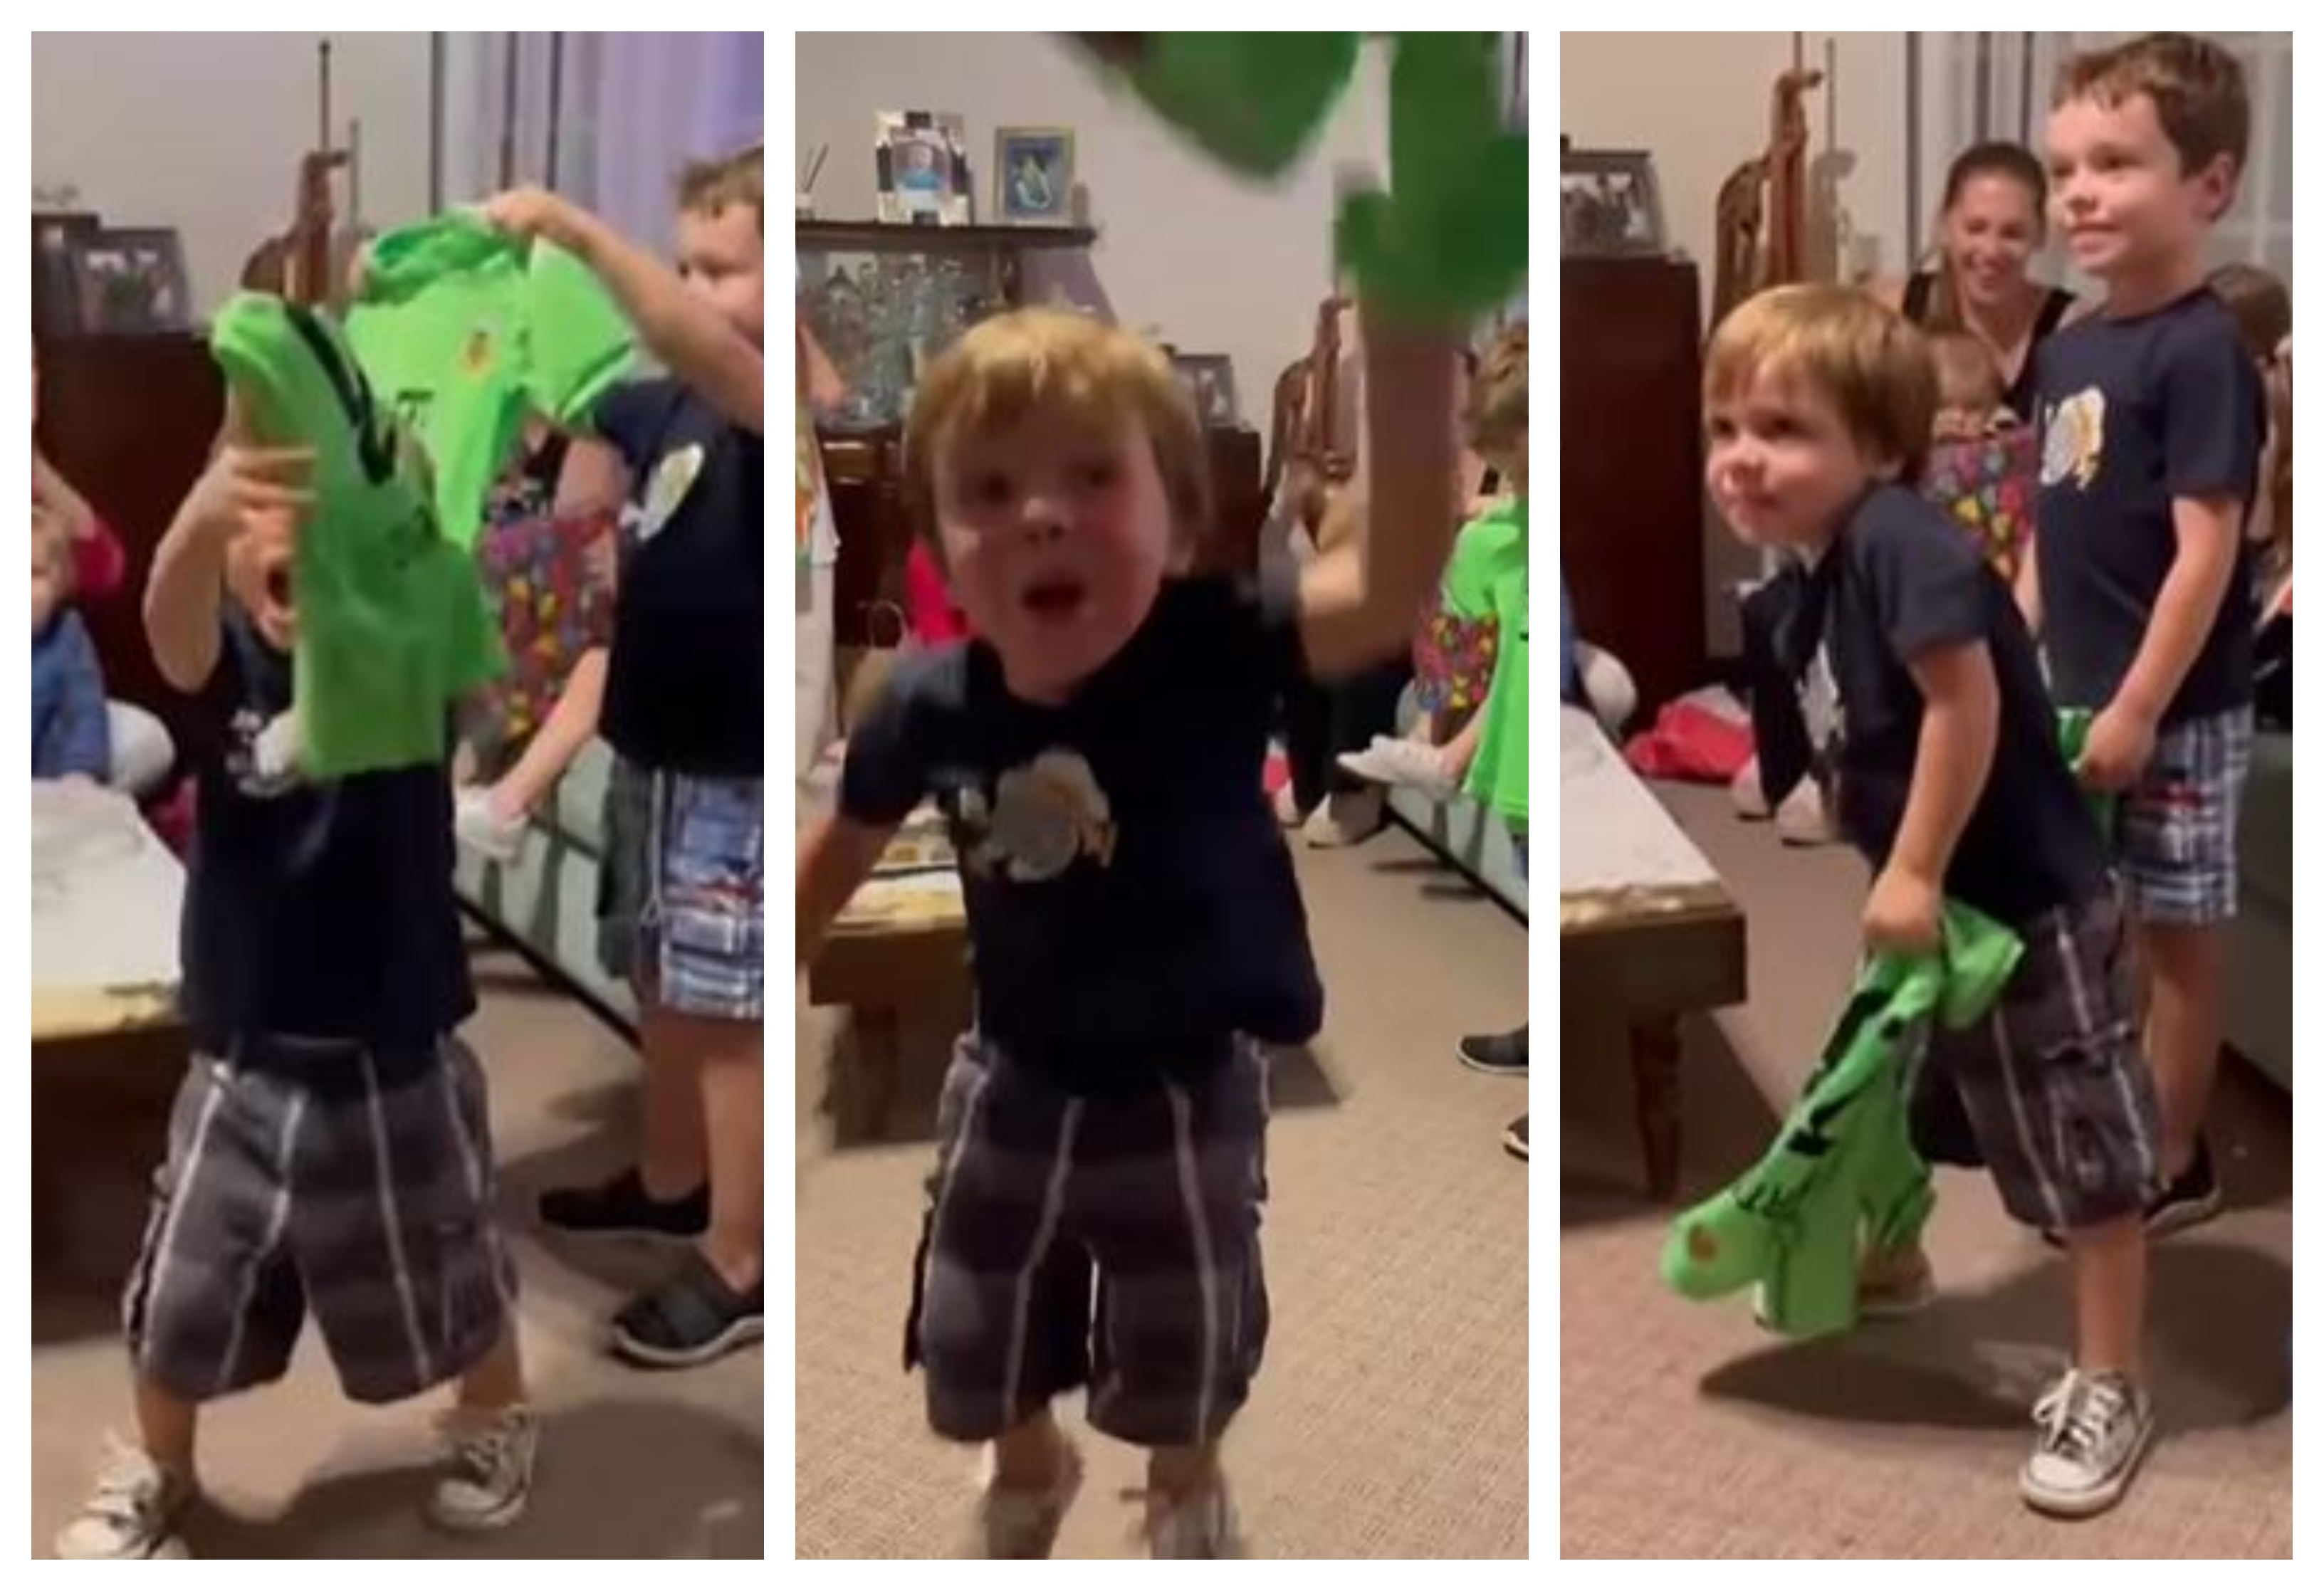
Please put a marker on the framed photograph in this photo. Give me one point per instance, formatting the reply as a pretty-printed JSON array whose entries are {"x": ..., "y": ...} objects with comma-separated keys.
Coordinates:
[
  {"x": 56, "y": 305},
  {"x": 1209, "y": 380},
  {"x": 1608, "y": 203},
  {"x": 923, "y": 159},
  {"x": 131, "y": 279},
  {"x": 1033, "y": 175}
]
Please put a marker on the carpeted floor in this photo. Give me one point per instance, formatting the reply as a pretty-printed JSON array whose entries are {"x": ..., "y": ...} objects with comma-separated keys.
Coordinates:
[
  {"x": 1687, "y": 1434},
  {"x": 1390, "y": 1419},
  {"x": 631, "y": 1465}
]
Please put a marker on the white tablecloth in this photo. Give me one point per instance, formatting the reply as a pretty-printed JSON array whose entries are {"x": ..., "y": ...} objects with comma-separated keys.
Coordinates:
[
  {"x": 106, "y": 896},
  {"x": 1611, "y": 832}
]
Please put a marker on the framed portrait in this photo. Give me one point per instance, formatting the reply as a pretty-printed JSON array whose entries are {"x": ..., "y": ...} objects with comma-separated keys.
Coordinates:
[
  {"x": 131, "y": 279},
  {"x": 1608, "y": 204},
  {"x": 1209, "y": 380},
  {"x": 923, "y": 169},
  {"x": 1033, "y": 175}
]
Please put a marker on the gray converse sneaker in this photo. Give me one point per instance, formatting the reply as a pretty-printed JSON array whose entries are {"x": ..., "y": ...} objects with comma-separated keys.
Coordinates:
[
  {"x": 1013, "y": 1524},
  {"x": 2094, "y": 1431},
  {"x": 487, "y": 1471},
  {"x": 1201, "y": 1526},
  {"x": 132, "y": 1512}
]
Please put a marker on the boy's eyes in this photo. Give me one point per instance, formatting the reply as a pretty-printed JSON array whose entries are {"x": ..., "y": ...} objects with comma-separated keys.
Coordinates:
[
  {"x": 990, "y": 488},
  {"x": 1097, "y": 471}
]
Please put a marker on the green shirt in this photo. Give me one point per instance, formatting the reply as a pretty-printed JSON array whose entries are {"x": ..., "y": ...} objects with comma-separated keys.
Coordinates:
[
  {"x": 1486, "y": 578},
  {"x": 392, "y": 620},
  {"x": 464, "y": 330}
]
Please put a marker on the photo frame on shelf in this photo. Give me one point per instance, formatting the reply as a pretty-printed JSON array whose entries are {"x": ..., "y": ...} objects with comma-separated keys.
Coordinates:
[
  {"x": 56, "y": 304},
  {"x": 1610, "y": 204},
  {"x": 130, "y": 280},
  {"x": 1033, "y": 175},
  {"x": 924, "y": 170}
]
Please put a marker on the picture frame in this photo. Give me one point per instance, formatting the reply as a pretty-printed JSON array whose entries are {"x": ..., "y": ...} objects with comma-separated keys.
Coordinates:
[
  {"x": 1209, "y": 380},
  {"x": 923, "y": 169},
  {"x": 1033, "y": 176},
  {"x": 131, "y": 279},
  {"x": 56, "y": 304},
  {"x": 1609, "y": 205}
]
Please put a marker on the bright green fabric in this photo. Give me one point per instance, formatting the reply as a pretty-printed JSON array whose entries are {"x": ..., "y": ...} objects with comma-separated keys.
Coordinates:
[
  {"x": 392, "y": 621},
  {"x": 464, "y": 330},
  {"x": 1486, "y": 579},
  {"x": 1842, "y": 1174}
]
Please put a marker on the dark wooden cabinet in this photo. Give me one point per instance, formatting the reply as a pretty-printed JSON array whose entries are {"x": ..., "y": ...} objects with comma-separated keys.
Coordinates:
[
  {"x": 129, "y": 420},
  {"x": 1630, "y": 491}
]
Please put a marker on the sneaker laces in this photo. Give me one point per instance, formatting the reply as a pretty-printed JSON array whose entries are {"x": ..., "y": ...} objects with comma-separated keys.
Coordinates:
[
  {"x": 131, "y": 1489},
  {"x": 486, "y": 1449},
  {"x": 2076, "y": 1415}
]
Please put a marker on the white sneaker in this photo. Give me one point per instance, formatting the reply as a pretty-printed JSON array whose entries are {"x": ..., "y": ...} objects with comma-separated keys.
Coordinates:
[
  {"x": 1390, "y": 760},
  {"x": 481, "y": 826},
  {"x": 1749, "y": 795},
  {"x": 488, "y": 1477},
  {"x": 1805, "y": 817},
  {"x": 2094, "y": 1431},
  {"x": 1201, "y": 1526},
  {"x": 132, "y": 1512},
  {"x": 1013, "y": 1524},
  {"x": 1345, "y": 818}
]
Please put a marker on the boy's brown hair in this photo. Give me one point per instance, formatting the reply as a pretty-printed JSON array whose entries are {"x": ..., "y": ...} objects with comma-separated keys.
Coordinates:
[
  {"x": 1027, "y": 360},
  {"x": 1496, "y": 396},
  {"x": 2197, "y": 86},
  {"x": 708, "y": 187},
  {"x": 1869, "y": 362}
]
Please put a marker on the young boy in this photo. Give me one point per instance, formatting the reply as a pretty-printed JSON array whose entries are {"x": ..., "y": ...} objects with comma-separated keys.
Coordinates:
[
  {"x": 683, "y": 694},
  {"x": 1097, "y": 748},
  {"x": 2139, "y": 586},
  {"x": 329, "y": 1152},
  {"x": 1951, "y": 783},
  {"x": 1968, "y": 386}
]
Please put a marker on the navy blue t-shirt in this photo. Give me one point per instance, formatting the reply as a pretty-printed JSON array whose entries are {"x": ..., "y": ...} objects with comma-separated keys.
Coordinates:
[
  {"x": 2136, "y": 412},
  {"x": 685, "y": 685},
  {"x": 1903, "y": 581},
  {"x": 1130, "y": 900},
  {"x": 317, "y": 911}
]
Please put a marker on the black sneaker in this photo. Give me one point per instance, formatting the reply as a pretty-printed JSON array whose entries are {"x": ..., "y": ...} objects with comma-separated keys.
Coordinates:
[
  {"x": 696, "y": 1318},
  {"x": 1514, "y": 1140},
  {"x": 2190, "y": 1201},
  {"x": 623, "y": 1208},
  {"x": 1496, "y": 1054}
]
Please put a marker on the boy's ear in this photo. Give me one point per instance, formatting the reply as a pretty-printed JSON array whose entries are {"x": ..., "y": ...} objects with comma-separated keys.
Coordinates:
[{"x": 2218, "y": 181}]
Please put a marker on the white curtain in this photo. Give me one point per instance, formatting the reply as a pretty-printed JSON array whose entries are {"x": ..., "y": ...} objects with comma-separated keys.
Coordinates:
[
  {"x": 1967, "y": 87},
  {"x": 608, "y": 119}
]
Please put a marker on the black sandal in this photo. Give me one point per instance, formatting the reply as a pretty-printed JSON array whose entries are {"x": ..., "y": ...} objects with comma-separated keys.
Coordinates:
[{"x": 695, "y": 1319}]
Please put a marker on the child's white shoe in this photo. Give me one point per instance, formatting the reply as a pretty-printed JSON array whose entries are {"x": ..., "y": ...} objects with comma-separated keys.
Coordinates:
[
  {"x": 1012, "y": 1523},
  {"x": 1201, "y": 1526},
  {"x": 132, "y": 1512},
  {"x": 1390, "y": 760},
  {"x": 487, "y": 1476}
]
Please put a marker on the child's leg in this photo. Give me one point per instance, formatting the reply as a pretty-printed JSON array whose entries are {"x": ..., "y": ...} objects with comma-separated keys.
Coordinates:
[
  {"x": 1032, "y": 1456},
  {"x": 720, "y": 1129},
  {"x": 673, "y": 1159},
  {"x": 494, "y": 1383},
  {"x": 2186, "y": 969},
  {"x": 166, "y": 1427},
  {"x": 2109, "y": 1269}
]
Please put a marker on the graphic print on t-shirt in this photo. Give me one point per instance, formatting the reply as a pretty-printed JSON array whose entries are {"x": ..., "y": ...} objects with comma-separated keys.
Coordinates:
[
  {"x": 1043, "y": 817},
  {"x": 2074, "y": 440},
  {"x": 673, "y": 478}
]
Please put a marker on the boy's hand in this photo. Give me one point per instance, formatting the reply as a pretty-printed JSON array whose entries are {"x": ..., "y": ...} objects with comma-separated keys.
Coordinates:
[
  {"x": 1906, "y": 914},
  {"x": 2121, "y": 744},
  {"x": 531, "y": 213}
]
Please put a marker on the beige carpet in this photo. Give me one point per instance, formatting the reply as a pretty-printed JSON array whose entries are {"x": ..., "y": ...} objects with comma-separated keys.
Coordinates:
[
  {"x": 1687, "y": 1434},
  {"x": 1390, "y": 1419},
  {"x": 633, "y": 1466}
]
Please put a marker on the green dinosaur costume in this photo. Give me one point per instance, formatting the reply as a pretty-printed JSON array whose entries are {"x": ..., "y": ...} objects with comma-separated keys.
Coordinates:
[
  {"x": 464, "y": 330},
  {"x": 392, "y": 621},
  {"x": 1842, "y": 1174},
  {"x": 1447, "y": 241}
]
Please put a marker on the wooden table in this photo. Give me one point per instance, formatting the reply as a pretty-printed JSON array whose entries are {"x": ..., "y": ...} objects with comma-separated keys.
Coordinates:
[
  {"x": 897, "y": 957},
  {"x": 1643, "y": 925}
]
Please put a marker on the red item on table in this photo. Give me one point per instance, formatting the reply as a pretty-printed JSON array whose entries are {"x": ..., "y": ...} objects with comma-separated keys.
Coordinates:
[
  {"x": 929, "y": 609},
  {"x": 100, "y": 564},
  {"x": 1689, "y": 741}
]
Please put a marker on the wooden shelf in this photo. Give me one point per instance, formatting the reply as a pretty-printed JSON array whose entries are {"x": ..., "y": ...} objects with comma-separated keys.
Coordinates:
[{"x": 894, "y": 237}]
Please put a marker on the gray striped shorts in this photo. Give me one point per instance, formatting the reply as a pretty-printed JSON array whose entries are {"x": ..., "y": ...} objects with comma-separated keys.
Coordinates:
[
  {"x": 1099, "y": 1242},
  {"x": 2052, "y": 1080},
  {"x": 324, "y": 1180}
]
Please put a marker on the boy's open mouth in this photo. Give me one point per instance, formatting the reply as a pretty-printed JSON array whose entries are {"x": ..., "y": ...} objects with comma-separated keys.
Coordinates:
[{"x": 1055, "y": 598}]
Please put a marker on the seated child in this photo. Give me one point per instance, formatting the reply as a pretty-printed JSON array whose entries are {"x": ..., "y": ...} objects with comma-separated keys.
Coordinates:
[
  {"x": 1984, "y": 466},
  {"x": 70, "y": 732},
  {"x": 1952, "y": 783},
  {"x": 325, "y": 973},
  {"x": 1137, "y": 928}
]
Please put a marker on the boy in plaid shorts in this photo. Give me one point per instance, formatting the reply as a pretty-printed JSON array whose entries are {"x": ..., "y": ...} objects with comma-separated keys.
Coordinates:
[
  {"x": 1098, "y": 747},
  {"x": 329, "y": 1153},
  {"x": 1952, "y": 781},
  {"x": 2152, "y": 418}
]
